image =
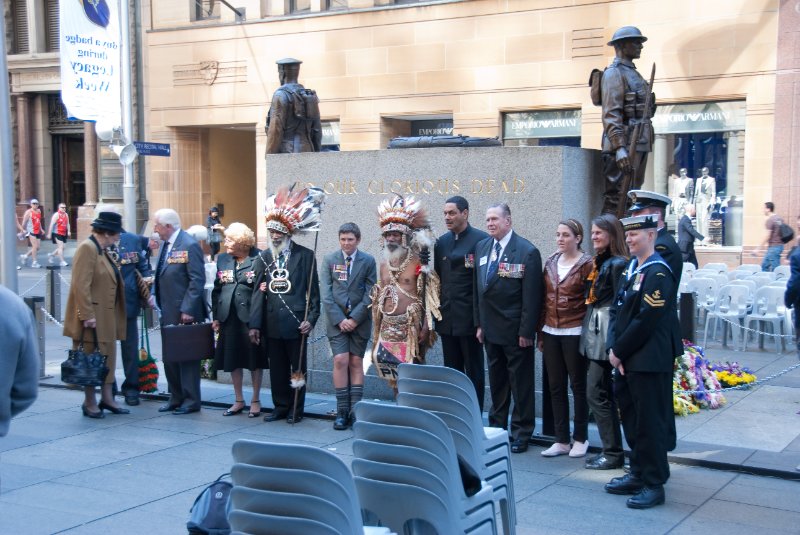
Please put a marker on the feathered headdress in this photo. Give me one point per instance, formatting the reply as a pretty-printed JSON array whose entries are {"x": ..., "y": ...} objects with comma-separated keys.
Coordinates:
[
  {"x": 402, "y": 214},
  {"x": 291, "y": 210}
]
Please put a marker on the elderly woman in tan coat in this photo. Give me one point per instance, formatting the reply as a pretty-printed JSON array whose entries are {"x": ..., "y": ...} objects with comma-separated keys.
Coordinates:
[{"x": 97, "y": 301}]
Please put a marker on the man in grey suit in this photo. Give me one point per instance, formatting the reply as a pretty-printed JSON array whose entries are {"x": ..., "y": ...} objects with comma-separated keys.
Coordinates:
[
  {"x": 508, "y": 300},
  {"x": 347, "y": 277},
  {"x": 178, "y": 290},
  {"x": 687, "y": 235}
]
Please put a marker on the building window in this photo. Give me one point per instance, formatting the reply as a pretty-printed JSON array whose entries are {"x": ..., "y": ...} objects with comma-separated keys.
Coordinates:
[
  {"x": 51, "y": 25},
  {"x": 542, "y": 128},
  {"x": 696, "y": 137},
  {"x": 299, "y": 6},
  {"x": 331, "y": 136},
  {"x": 19, "y": 30},
  {"x": 205, "y": 9},
  {"x": 432, "y": 127}
]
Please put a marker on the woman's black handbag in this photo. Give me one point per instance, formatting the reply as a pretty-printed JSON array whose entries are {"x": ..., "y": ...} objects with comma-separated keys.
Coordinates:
[{"x": 82, "y": 369}]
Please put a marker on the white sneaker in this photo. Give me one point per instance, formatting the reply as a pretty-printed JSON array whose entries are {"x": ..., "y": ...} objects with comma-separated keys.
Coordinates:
[
  {"x": 36, "y": 264},
  {"x": 50, "y": 258},
  {"x": 579, "y": 449},
  {"x": 556, "y": 449},
  {"x": 64, "y": 264},
  {"x": 23, "y": 258}
]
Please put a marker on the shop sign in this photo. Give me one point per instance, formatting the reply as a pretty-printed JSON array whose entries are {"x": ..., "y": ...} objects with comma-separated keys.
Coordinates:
[
  {"x": 331, "y": 132},
  {"x": 539, "y": 124},
  {"x": 432, "y": 128},
  {"x": 706, "y": 117}
]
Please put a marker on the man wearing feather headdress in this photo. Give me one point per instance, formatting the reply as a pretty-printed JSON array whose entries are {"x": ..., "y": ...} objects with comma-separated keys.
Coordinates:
[
  {"x": 406, "y": 296},
  {"x": 285, "y": 303}
]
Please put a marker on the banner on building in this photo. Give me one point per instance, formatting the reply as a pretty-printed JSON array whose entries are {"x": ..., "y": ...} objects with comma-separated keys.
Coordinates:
[{"x": 90, "y": 60}]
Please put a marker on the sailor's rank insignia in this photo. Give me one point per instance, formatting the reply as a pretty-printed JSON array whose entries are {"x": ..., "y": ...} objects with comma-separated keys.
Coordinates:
[{"x": 654, "y": 299}]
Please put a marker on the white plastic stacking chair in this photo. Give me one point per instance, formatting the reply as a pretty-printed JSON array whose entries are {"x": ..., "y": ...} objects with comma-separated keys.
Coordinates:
[
  {"x": 782, "y": 272},
  {"x": 719, "y": 267},
  {"x": 768, "y": 309},
  {"x": 705, "y": 290},
  {"x": 751, "y": 286},
  {"x": 750, "y": 268},
  {"x": 259, "y": 465},
  {"x": 268, "y": 502},
  {"x": 778, "y": 283},
  {"x": 246, "y": 522},
  {"x": 688, "y": 269},
  {"x": 731, "y": 306},
  {"x": 739, "y": 274},
  {"x": 418, "y": 428},
  {"x": 493, "y": 438},
  {"x": 448, "y": 410}
]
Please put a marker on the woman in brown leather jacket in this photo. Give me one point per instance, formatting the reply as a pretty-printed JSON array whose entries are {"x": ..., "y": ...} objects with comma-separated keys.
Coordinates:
[
  {"x": 565, "y": 274},
  {"x": 608, "y": 241}
]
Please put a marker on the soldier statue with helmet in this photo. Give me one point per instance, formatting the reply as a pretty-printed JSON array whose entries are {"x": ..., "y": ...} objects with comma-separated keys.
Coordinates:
[
  {"x": 627, "y": 106},
  {"x": 293, "y": 120}
]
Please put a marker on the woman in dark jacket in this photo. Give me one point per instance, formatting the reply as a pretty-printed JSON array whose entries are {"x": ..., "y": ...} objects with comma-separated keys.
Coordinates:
[
  {"x": 565, "y": 274},
  {"x": 608, "y": 240},
  {"x": 230, "y": 306},
  {"x": 215, "y": 230}
]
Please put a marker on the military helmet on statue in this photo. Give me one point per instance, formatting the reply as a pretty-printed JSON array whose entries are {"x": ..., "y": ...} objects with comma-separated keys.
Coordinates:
[{"x": 627, "y": 32}]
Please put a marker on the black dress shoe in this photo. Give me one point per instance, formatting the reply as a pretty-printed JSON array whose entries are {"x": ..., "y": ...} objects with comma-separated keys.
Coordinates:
[
  {"x": 294, "y": 419},
  {"x": 112, "y": 410},
  {"x": 519, "y": 446},
  {"x": 167, "y": 408},
  {"x": 601, "y": 462},
  {"x": 86, "y": 412},
  {"x": 132, "y": 400},
  {"x": 341, "y": 421},
  {"x": 648, "y": 497},
  {"x": 274, "y": 416},
  {"x": 186, "y": 410},
  {"x": 627, "y": 484}
]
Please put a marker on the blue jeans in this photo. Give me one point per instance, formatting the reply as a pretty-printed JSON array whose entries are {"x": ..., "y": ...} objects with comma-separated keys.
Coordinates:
[{"x": 773, "y": 258}]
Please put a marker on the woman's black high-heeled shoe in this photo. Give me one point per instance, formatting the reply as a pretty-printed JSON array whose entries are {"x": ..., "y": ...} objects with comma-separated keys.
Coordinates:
[
  {"x": 113, "y": 410},
  {"x": 98, "y": 414}
]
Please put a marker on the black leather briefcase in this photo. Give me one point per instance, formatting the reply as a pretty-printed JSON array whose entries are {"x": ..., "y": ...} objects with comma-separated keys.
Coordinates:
[{"x": 184, "y": 343}]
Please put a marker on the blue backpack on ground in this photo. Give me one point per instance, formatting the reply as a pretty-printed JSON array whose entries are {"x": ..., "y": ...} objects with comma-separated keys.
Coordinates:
[{"x": 209, "y": 512}]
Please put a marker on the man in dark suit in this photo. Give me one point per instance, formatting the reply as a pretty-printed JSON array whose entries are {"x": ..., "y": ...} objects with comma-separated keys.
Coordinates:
[
  {"x": 347, "y": 277},
  {"x": 179, "y": 294},
  {"x": 642, "y": 349},
  {"x": 455, "y": 263},
  {"x": 133, "y": 257},
  {"x": 686, "y": 236},
  {"x": 645, "y": 202},
  {"x": 286, "y": 282},
  {"x": 508, "y": 300}
]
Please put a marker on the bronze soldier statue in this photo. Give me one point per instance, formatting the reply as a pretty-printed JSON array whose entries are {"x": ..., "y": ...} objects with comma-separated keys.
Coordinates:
[
  {"x": 293, "y": 121},
  {"x": 624, "y": 99}
]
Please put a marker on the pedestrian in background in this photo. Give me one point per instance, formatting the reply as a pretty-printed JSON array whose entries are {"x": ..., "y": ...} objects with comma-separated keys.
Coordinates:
[
  {"x": 772, "y": 240},
  {"x": 59, "y": 230},
  {"x": 454, "y": 262},
  {"x": 214, "y": 231},
  {"x": 32, "y": 225},
  {"x": 96, "y": 302},
  {"x": 687, "y": 235},
  {"x": 346, "y": 280},
  {"x": 230, "y": 310},
  {"x": 19, "y": 366},
  {"x": 611, "y": 256},
  {"x": 563, "y": 309}
]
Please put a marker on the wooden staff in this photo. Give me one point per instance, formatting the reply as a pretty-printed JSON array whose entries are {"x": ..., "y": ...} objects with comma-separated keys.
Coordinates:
[{"x": 305, "y": 335}]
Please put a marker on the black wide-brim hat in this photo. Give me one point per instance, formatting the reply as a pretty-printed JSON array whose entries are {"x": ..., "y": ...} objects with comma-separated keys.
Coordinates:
[{"x": 108, "y": 221}]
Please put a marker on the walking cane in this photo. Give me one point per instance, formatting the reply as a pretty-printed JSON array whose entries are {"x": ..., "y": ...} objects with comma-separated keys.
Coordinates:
[{"x": 298, "y": 378}]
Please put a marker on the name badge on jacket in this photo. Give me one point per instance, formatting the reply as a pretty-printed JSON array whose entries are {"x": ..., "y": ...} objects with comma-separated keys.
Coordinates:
[
  {"x": 469, "y": 261},
  {"x": 511, "y": 271},
  {"x": 178, "y": 257}
]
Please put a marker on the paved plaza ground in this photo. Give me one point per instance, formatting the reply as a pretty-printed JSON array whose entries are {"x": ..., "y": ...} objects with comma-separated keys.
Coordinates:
[{"x": 63, "y": 473}]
